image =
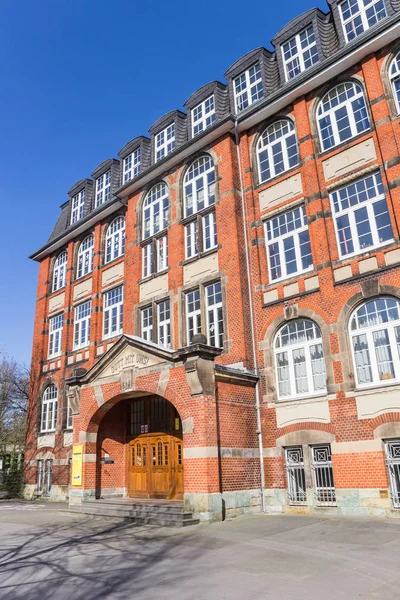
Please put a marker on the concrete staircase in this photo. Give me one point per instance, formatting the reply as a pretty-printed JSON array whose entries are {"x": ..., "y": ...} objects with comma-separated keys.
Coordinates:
[{"x": 144, "y": 512}]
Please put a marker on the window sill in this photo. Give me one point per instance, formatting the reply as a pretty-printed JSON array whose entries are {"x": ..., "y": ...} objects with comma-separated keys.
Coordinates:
[
  {"x": 155, "y": 236},
  {"x": 376, "y": 387},
  {"x": 324, "y": 153},
  {"x": 154, "y": 276},
  {"x": 47, "y": 432},
  {"x": 112, "y": 262},
  {"x": 290, "y": 279},
  {"x": 260, "y": 187},
  {"x": 371, "y": 251},
  {"x": 111, "y": 338},
  {"x": 201, "y": 213},
  {"x": 320, "y": 397},
  {"x": 193, "y": 259}
]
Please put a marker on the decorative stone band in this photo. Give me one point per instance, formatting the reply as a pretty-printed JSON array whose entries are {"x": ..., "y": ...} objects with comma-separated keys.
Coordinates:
[
  {"x": 212, "y": 452},
  {"x": 357, "y": 447}
]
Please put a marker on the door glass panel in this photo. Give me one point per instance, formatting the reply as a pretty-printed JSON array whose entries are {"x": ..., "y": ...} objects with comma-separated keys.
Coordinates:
[
  {"x": 133, "y": 456},
  {"x": 166, "y": 449},
  {"x": 179, "y": 454},
  {"x": 160, "y": 453},
  {"x": 138, "y": 455}
]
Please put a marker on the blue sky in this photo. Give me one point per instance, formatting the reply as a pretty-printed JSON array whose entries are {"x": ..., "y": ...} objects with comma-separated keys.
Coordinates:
[{"x": 80, "y": 78}]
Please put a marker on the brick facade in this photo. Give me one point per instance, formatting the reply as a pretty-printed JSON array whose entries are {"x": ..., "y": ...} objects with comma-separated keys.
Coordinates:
[{"x": 215, "y": 393}]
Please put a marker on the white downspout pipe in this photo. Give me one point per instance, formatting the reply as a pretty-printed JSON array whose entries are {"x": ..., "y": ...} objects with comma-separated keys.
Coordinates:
[{"x": 253, "y": 337}]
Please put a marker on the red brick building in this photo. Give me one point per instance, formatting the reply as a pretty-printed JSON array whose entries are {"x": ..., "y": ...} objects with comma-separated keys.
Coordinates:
[{"x": 218, "y": 311}]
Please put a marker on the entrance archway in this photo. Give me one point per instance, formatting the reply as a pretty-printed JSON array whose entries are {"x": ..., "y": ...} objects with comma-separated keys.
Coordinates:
[{"x": 155, "y": 457}]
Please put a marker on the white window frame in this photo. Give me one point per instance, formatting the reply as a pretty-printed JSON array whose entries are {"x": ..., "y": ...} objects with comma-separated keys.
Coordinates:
[
  {"x": 113, "y": 312},
  {"x": 85, "y": 256},
  {"x": 293, "y": 233},
  {"x": 289, "y": 349},
  {"x": 165, "y": 142},
  {"x": 200, "y": 177},
  {"x": 191, "y": 241},
  {"x": 103, "y": 188},
  {"x": 193, "y": 316},
  {"x": 147, "y": 323},
  {"x": 394, "y": 75},
  {"x": 147, "y": 260},
  {"x": 60, "y": 271},
  {"x": 389, "y": 326},
  {"x": 164, "y": 323},
  {"x": 48, "y": 417},
  {"x": 209, "y": 227},
  {"x": 162, "y": 253},
  {"x": 77, "y": 206},
  {"x": 56, "y": 325},
  {"x": 131, "y": 165},
  {"x": 275, "y": 136},
  {"x": 295, "y": 44},
  {"x": 82, "y": 315},
  {"x": 155, "y": 211},
  {"x": 215, "y": 315},
  {"x": 362, "y": 13},
  {"x": 70, "y": 417},
  {"x": 325, "y": 113},
  {"x": 249, "y": 91},
  {"x": 115, "y": 240},
  {"x": 368, "y": 204},
  {"x": 392, "y": 450},
  {"x": 203, "y": 115}
]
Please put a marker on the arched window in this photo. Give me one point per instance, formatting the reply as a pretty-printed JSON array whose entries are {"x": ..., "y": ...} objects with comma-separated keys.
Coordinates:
[
  {"x": 49, "y": 409},
  {"x": 299, "y": 360},
  {"x": 394, "y": 73},
  {"x": 115, "y": 239},
  {"x": 342, "y": 114},
  {"x": 85, "y": 256},
  {"x": 277, "y": 150},
  {"x": 155, "y": 221},
  {"x": 199, "y": 197},
  {"x": 375, "y": 340},
  {"x": 59, "y": 272}
]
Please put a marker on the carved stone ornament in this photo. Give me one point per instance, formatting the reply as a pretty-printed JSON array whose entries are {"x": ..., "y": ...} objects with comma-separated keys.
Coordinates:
[
  {"x": 200, "y": 376},
  {"x": 74, "y": 399}
]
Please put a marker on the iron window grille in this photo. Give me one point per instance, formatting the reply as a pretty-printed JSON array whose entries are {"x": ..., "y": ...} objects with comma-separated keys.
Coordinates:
[
  {"x": 296, "y": 476},
  {"x": 393, "y": 464},
  {"x": 203, "y": 115},
  {"x": 85, "y": 256},
  {"x": 277, "y": 150},
  {"x": 165, "y": 142},
  {"x": 342, "y": 114},
  {"x": 288, "y": 244},
  {"x": 300, "y": 53},
  {"x": 375, "y": 340},
  {"x": 44, "y": 476},
  {"x": 131, "y": 165},
  {"x": 77, "y": 207},
  {"x": 361, "y": 216},
  {"x": 299, "y": 360},
  {"x": 103, "y": 188},
  {"x": 248, "y": 88},
  {"x": 359, "y": 15},
  {"x": 322, "y": 469},
  {"x": 395, "y": 80}
]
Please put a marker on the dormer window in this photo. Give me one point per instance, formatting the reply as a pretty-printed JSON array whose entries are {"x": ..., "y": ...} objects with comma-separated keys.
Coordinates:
[
  {"x": 103, "y": 188},
  {"x": 165, "y": 142},
  {"x": 203, "y": 115},
  {"x": 132, "y": 165},
  {"x": 248, "y": 88},
  {"x": 300, "y": 53},
  {"x": 359, "y": 15},
  {"x": 77, "y": 206}
]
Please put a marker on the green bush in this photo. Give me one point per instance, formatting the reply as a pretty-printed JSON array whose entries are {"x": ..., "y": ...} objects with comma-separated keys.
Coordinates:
[{"x": 14, "y": 483}]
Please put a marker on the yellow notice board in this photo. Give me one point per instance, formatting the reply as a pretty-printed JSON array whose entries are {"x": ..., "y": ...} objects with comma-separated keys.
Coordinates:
[{"x": 77, "y": 465}]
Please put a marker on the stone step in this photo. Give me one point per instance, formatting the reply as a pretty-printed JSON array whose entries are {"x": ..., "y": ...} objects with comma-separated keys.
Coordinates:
[{"x": 173, "y": 516}]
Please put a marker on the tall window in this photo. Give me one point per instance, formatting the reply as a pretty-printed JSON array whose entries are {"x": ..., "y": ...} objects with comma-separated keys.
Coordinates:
[
  {"x": 49, "y": 409},
  {"x": 70, "y": 418},
  {"x": 113, "y": 312},
  {"x": 131, "y": 165},
  {"x": 85, "y": 256},
  {"x": 77, "y": 206},
  {"x": 199, "y": 193},
  {"x": 115, "y": 239},
  {"x": 155, "y": 222},
  {"x": 375, "y": 341},
  {"x": 361, "y": 215},
  {"x": 156, "y": 323},
  {"x": 60, "y": 271},
  {"x": 299, "y": 360},
  {"x": 392, "y": 448},
  {"x": 248, "y": 87},
  {"x": 203, "y": 115},
  {"x": 359, "y": 15},
  {"x": 56, "y": 325},
  {"x": 277, "y": 150},
  {"x": 82, "y": 325},
  {"x": 296, "y": 475},
  {"x": 300, "y": 53},
  {"x": 215, "y": 322},
  {"x": 103, "y": 188},
  {"x": 288, "y": 244},
  {"x": 193, "y": 314},
  {"x": 395, "y": 79},
  {"x": 165, "y": 142},
  {"x": 342, "y": 114}
]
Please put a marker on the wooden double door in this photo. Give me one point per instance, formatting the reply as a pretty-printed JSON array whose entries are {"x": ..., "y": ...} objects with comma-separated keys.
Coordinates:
[{"x": 156, "y": 466}]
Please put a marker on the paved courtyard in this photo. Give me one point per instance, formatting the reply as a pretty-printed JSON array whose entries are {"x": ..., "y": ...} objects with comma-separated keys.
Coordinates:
[{"x": 47, "y": 553}]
